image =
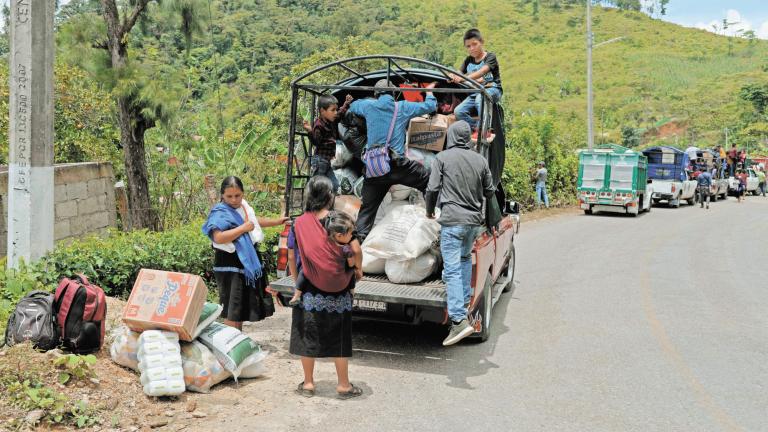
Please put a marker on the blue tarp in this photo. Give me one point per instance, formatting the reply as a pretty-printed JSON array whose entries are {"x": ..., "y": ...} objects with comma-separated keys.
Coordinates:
[{"x": 666, "y": 163}]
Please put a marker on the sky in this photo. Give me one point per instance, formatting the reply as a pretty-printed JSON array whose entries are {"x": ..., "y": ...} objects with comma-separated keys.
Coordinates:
[{"x": 742, "y": 15}]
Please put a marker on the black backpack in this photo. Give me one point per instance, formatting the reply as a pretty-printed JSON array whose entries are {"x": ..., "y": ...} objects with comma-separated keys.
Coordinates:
[{"x": 33, "y": 320}]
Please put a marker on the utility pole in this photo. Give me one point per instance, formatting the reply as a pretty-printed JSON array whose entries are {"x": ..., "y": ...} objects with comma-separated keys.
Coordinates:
[
  {"x": 30, "y": 173},
  {"x": 590, "y": 40}
]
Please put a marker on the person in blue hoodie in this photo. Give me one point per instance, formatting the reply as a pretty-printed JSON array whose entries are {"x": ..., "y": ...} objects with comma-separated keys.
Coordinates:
[{"x": 459, "y": 181}]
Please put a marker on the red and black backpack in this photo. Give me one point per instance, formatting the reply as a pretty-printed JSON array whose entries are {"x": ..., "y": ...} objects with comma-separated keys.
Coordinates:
[{"x": 81, "y": 311}]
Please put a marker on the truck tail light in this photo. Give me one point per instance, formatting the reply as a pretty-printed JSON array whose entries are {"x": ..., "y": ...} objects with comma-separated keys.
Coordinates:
[
  {"x": 282, "y": 252},
  {"x": 673, "y": 188}
]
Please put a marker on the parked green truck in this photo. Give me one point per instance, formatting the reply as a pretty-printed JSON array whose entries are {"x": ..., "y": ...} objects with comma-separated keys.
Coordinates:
[{"x": 613, "y": 179}]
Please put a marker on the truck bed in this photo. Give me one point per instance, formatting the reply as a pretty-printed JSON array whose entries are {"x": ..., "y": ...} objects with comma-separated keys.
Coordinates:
[{"x": 377, "y": 288}]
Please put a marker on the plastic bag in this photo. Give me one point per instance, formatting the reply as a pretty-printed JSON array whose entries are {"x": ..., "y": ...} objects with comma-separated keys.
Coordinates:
[
  {"x": 422, "y": 157},
  {"x": 125, "y": 347},
  {"x": 210, "y": 312},
  {"x": 202, "y": 370},
  {"x": 232, "y": 348},
  {"x": 373, "y": 264},
  {"x": 342, "y": 158},
  {"x": 348, "y": 204},
  {"x": 354, "y": 136},
  {"x": 358, "y": 187},
  {"x": 411, "y": 271},
  {"x": 347, "y": 179},
  {"x": 404, "y": 233}
]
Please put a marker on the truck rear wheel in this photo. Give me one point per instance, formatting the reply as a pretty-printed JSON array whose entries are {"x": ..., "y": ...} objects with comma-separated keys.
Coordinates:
[
  {"x": 509, "y": 275},
  {"x": 487, "y": 307}
]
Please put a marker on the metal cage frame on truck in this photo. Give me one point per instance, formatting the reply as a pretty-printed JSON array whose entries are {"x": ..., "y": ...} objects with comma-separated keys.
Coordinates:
[
  {"x": 494, "y": 249},
  {"x": 298, "y": 170}
]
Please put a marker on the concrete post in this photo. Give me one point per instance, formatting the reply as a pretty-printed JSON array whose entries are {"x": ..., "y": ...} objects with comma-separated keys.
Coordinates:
[{"x": 30, "y": 182}]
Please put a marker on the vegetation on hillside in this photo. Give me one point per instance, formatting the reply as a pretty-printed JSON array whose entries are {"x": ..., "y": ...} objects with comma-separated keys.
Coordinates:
[{"x": 223, "y": 86}]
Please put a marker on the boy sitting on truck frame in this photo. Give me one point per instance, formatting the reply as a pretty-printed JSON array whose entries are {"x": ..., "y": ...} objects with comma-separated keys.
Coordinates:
[{"x": 483, "y": 67}]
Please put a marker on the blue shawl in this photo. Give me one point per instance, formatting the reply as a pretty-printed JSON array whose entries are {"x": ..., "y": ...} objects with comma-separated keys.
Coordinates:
[{"x": 223, "y": 217}]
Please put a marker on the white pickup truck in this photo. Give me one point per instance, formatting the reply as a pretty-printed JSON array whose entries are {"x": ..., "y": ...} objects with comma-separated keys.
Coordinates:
[
  {"x": 752, "y": 182},
  {"x": 674, "y": 191}
]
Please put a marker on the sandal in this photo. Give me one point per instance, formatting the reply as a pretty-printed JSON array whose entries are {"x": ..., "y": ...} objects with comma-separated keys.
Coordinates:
[
  {"x": 351, "y": 393},
  {"x": 300, "y": 390},
  {"x": 294, "y": 303}
]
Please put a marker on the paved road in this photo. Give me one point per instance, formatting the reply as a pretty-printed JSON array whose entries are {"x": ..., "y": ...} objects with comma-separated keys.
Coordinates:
[{"x": 656, "y": 323}]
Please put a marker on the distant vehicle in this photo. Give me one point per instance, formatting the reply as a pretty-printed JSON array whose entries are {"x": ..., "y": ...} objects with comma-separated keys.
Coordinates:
[
  {"x": 613, "y": 179},
  {"x": 669, "y": 175},
  {"x": 752, "y": 181},
  {"x": 709, "y": 160}
]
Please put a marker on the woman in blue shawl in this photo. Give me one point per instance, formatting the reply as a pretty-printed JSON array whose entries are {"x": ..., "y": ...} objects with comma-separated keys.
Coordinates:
[{"x": 235, "y": 231}]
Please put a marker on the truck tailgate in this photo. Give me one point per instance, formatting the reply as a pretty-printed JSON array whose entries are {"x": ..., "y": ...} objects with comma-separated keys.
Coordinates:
[{"x": 377, "y": 288}]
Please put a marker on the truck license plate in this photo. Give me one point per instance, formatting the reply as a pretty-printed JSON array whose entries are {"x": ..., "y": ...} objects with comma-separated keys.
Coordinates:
[{"x": 369, "y": 305}]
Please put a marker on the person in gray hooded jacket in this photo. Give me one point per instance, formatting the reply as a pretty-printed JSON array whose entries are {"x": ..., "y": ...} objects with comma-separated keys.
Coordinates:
[{"x": 458, "y": 182}]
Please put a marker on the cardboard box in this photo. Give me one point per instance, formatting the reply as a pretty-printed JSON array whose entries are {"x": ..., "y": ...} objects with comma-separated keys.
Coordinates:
[
  {"x": 427, "y": 133},
  {"x": 450, "y": 119},
  {"x": 163, "y": 300}
]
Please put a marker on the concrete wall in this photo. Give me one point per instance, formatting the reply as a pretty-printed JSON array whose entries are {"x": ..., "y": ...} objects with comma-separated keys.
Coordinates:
[{"x": 84, "y": 200}]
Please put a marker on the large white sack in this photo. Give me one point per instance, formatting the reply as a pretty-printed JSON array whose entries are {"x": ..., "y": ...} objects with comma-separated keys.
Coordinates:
[
  {"x": 347, "y": 179},
  {"x": 342, "y": 158},
  {"x": 399, "y": 192},
  {"x": 404, "y": 233},
  {"x": 232, "y": 348},
  {"x": 411, "y": 271},
  {"x": 373, "y": 264}
]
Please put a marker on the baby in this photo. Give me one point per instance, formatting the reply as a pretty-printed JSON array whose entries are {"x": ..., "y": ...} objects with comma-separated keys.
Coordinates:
[{"x": 340, "y": 228}]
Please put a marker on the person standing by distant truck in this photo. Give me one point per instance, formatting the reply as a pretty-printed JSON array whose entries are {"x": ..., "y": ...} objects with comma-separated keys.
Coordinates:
[
  {"x": 704, "y": 183},
  {"x": 458, "y": 181},
  {"x": 541, "y": 185},
  {"x": 761, "y": 179}
]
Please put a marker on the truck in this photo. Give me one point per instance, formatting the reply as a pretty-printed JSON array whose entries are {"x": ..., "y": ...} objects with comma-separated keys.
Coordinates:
[
  {"x": 709, "y": 160},
  {"x": 613, "y": 179},
  {"x": 669, "y": 176},
  {"x": 493, "y": 254}
]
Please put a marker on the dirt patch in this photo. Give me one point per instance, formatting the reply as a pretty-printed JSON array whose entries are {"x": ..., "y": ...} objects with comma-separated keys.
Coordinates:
[
  {"x": 116, "y": 397},
  {"x": 544, "y": 213}
]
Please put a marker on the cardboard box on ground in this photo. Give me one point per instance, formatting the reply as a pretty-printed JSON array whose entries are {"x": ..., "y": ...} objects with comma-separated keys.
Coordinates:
[
  {"x": 175, "y": 302},
  {"x": 163, "y": 300}
]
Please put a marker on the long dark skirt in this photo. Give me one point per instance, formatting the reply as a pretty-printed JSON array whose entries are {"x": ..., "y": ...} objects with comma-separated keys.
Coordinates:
[
  {"x": 241, "y": 302},
  {"x": 322, "y": 324}
]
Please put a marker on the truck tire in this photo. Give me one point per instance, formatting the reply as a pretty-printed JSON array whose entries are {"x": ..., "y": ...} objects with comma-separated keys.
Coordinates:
[
  {"x": 509, "y": 275},
  {"x": 692, "y": 201},
  {"x": 588, "y": 211},
  {"x": 487, "y": 308}
]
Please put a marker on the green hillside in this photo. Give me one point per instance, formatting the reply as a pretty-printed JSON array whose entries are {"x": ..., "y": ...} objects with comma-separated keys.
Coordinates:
[{"x": 224, "y": 91}]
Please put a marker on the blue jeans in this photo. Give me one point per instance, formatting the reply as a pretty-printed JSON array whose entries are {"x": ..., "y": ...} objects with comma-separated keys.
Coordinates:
[
  {"x": 456, "y": 244},
  {"x": 471, "y": 105},
  {"x": 322, "y": 167},
  {"x": 541, "y": 195}
]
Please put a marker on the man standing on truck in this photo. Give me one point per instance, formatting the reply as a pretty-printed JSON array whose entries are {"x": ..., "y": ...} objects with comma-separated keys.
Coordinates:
[
  {"x": 459, "y": 180},
  {"x": 386, "y": 127}
]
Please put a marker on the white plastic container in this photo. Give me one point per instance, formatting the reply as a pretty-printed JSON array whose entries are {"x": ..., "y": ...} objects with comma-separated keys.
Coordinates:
[{"x": 160, "y": 363}]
